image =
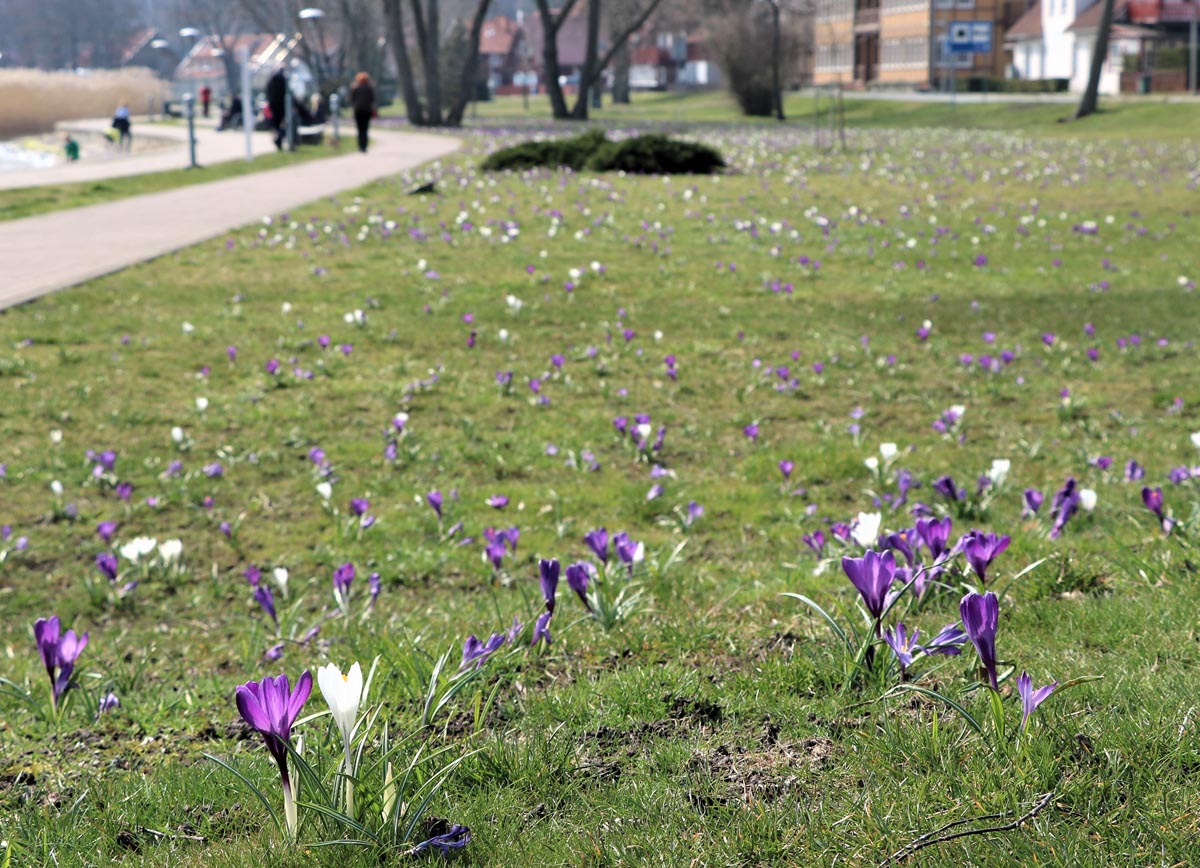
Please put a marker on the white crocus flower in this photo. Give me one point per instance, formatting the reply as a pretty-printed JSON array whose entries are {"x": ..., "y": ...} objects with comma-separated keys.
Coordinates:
[
  {"x": 1087, "y": 499},
  {"x": 280, "y": 576},
  {"x": 889, "y": 451},
  {"x": 325, "y": 490},
  {"x": 138, "y": 547},
  {"x": 999, "y": 471},
  {"x": 872, "y": 463},
  {"x": 57, "y": 488},
  {"x": 177, "y": 434},
  {"x": 202, "y": 404},
  {"x": 56, "y": 436},
  {"x": 343, "y": 693},
  {"x": 643, "y": 430},
  {"x": 866, "y": 528},
  {"x": 170, "y": 550},
  {"x": 188, "y": 328},
  {"x": 1196, "y": 439}
]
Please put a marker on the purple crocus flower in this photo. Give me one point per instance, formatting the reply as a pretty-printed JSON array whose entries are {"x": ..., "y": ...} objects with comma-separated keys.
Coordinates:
[
  {"x": 1030, "y": 698},
  {"x": 902, "y": 645},
  {"x": 510, "y": 537},
  {"x": 342, "y": 577},
  {"x": 549, "y": 569},
  {"x": 434, "y": 499},
  {"x": 214, "y": 470},
  {"x": 264, "y": 598},
  {"x": 621, "y": 423},
  {"x": 1033, "y": 502},
  {"x": 578, "y": 576},
  {"x": 1064, "y": 505},
  {"x": 597, "y": 541},
  {"x": 497, "y": 501},
  {"x": 816, "y": 542},
  {"x": 980, "y": 614},
  {"x": 872, "y": 575},
  {"x": 751, "y": 431},
  {"x": 253, "y": 575},
  {"x": 124, "y": 491},
  {"x": 983, "y": 548},
  {"x": 541, "y": 629},
  {"x": 946, "y": 488},
  {"x": 107, "y": 703},
  {"x": 786, "y": 467},
  {"x": 934, "y": 533},
  {"x": 359, "y": 506},
  {"x": 903, "y": 541},
  {"x": 106, "y": 562},
  {"x": 59, "y": 652},
  {"x": 271, "y": 706},
  {"x": 494, "y": 553},
  {"x": 1134, "y": 471},
  {"x": 628, "y": 550},
  {"x": 458, "y": 837},
  {"x": 1153, "y": 499},
  {"x": 949, "y": 641}
]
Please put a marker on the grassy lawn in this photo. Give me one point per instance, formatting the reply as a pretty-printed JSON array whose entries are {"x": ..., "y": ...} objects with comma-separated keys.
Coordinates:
[
  {"x": 1127, "y": 118},
  {"x": 491, "y": 343},
  {"x": 28, "y": 201}
]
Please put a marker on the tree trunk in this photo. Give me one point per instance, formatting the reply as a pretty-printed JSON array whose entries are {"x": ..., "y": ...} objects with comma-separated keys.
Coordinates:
[
  {"x": 433, "y": 70},
  {"x": 1091, "y": 95},
  {"x": 394, "y": 13},
  {"x": 466, "y": 87},
  {"x": 618, "y": 42},
  {"x": 589, "y": 75},
  {"x": 550, "y": 70},
  {"x": 776, "y": 59}
]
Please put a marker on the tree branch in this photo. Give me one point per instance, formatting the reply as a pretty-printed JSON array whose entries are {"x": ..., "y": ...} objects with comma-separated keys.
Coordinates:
[
  {"x": 619, "y": 41},
  {"x": 937, "y": 836}
]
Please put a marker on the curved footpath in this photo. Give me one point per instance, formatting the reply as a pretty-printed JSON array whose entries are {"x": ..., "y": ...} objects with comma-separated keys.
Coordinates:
[{"x": 39, "y": 255}]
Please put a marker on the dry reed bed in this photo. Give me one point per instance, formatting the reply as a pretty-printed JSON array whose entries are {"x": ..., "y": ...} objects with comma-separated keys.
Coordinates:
[{"x": 32, "y": 101}]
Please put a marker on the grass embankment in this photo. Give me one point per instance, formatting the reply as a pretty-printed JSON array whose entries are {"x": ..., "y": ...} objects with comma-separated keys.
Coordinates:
[
  {"x": 30, "y": 201},
  {"x": 719, "y": 723}
]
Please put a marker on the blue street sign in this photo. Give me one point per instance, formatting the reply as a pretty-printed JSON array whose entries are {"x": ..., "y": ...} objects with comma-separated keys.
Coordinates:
[{"x": 968, "y": 37}]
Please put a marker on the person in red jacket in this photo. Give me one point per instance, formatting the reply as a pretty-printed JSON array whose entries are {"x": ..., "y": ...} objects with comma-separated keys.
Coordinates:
[
  {"x": 205, "y": 98},
  {"x": 362, "y": 99}
]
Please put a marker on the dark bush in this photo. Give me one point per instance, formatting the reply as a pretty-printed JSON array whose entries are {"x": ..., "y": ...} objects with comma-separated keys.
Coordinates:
[
  {"x": 571, "y": 153},
  {"x": 646, "y": 155},
  {"x": 655, "y": 155}
]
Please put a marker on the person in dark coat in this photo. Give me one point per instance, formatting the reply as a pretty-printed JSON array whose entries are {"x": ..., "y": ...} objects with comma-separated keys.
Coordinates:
[
  {"x": 362, "y": 99},
  {"x": 277, "y": 92}
]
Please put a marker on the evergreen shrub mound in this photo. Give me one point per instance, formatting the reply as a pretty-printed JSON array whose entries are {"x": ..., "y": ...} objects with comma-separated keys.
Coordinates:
[{"x": 644, "y": 155}]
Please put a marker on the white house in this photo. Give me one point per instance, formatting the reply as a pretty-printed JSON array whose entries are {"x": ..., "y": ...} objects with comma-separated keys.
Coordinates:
[{"x": 1054, "y": 40}]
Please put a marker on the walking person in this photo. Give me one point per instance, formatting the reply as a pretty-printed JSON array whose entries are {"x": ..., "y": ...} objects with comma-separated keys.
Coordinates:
[
  {"x": 277, "y": 96},
  {"x": 122, "y": 125},
  {"x": 205, "y": 99},
  {"x": 362, "y": 98}
]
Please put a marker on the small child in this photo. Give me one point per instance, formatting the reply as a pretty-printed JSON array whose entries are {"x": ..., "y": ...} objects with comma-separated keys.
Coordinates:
[{"x": 72, "y": 149}]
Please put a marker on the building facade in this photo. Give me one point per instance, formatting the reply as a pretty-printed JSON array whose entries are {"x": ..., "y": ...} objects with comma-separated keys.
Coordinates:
[{"x": 902, "y": 42}]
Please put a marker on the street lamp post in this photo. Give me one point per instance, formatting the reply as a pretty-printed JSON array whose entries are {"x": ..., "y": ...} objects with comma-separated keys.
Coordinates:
[{"x": 315, "y": 15}]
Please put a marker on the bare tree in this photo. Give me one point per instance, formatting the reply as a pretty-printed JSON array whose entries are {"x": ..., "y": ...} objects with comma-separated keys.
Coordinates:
[
  {"x": 426, "y": 28},
  {"x": 222, "y": 22},
  {"x": 594, "y": 64},
  {"x": 1091, "y": 95}
]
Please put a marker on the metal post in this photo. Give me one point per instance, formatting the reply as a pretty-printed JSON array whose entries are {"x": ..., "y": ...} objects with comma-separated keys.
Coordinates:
[
  {"x": 289, "y": 111},
  {"x": 335, "y": 109},
  {"x": 248, "y": 113},
  {"x": 189, "y": 105}
]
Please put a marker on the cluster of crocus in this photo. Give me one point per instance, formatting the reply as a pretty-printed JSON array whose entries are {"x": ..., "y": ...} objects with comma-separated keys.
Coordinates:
[
  {"x": 59, "y": 651},
  {"x": 498, "y": 543},
  {"x": 640, "y": 431},
  {"x": 629, "y": 551}
]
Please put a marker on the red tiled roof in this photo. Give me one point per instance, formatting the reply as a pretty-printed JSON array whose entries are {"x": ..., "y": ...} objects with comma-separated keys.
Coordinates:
[
  {"x": 136, "y": 43},
  {"x": 1028, "y": 26},
  {"x": 497, "y": 36}
]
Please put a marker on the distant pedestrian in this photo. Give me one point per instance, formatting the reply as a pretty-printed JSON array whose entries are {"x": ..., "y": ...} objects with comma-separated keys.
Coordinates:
[
  {"x": 277, "y": 95},
  {"x": 121, "y": 123},
  {"x": 205, "y": 99},
  {"x": 362, "y": 98},
  {"x": 71, "y": 147}
]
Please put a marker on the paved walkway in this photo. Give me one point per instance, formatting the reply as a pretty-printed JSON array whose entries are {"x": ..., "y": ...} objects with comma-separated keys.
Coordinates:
[
  {"x": 211, "y": 147},
  {"x": 49, "y": 252}
]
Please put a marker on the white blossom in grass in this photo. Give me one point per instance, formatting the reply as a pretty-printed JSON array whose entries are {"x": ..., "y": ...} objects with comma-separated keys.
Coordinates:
[
  {"x": 56, "y": 436},
  {"x": 177, "y": 435},
  {"x": 286, "y": 307},
  {"x": 865, "y": 530},
  {"x": 872, "y": 464},
  {"x": 1087, "y": 499},
  {"x": 999, "y": 471},
  {"x": 889, "y": 451},
  {"x": 188, "y": 328},
  {"x": 1196, "y": 439},
  {"x": 325, "y": 490},
  {"x": 280, "y": 576},
  {"x": 344, "y": 694},
  {"x": 201, "y": 404},
  {"x": 170, "y": 550},
  {"x": 138, "y": 547},
  {"x": 57, "y": 488}
]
